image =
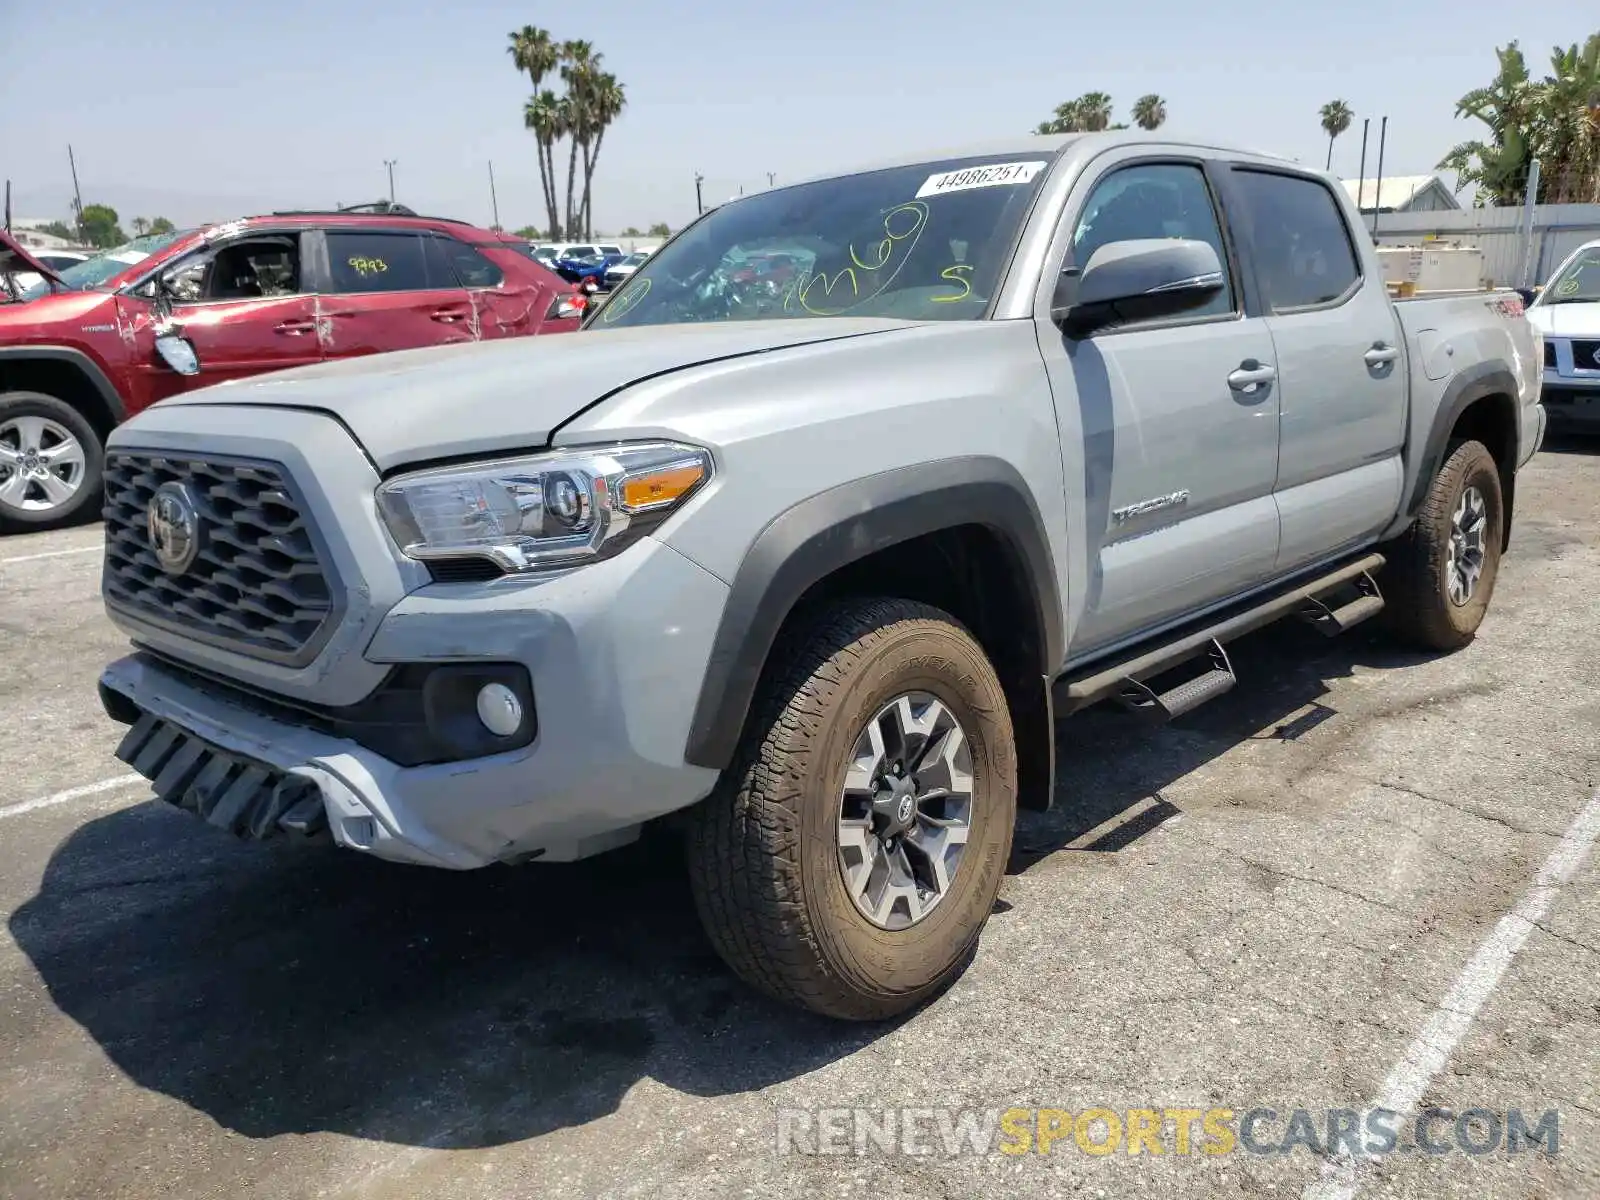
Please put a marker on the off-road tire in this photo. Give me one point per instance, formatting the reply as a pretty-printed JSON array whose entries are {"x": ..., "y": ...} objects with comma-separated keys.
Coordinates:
[
  {"x": 763, "y": 852},
  {"x": 90, "y": 494},
  {"x": 1415, "y": 580}
]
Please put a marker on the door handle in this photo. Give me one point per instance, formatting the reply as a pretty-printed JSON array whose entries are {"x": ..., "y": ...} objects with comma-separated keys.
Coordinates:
[
  {"x": 295, "y": 328},
  {"x": 1380, "y": 355},
  {"x": 1252, "y": 374},
  {"x": 449, "y": 315}
]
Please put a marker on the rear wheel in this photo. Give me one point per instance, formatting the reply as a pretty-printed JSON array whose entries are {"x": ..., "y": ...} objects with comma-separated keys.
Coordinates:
[
  {"x": 1442, "y": 571},
  {"x": 50, "y": 463},
  {"x": 852, "y": 853}
]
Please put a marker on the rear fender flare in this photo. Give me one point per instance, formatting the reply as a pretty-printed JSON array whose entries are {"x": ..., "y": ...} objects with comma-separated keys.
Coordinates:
[{"x": 1486, "y": 381}]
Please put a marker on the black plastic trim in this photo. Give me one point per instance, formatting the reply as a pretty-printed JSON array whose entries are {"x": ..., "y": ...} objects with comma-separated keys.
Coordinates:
[
  {"x": 810, "y": 541},
  {"x": 409, "y": 718},
  {"x": 1478, "y": 382},
  {"x": 90, "y": 368}
]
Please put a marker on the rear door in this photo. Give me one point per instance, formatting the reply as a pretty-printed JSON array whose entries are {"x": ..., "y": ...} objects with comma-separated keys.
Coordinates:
[
  {"x": 1178, "y": 417},
  {"x": 386, "y": 290},
  {"x": 1341, "y": 371},
  {"x": 511, "y": 295}
]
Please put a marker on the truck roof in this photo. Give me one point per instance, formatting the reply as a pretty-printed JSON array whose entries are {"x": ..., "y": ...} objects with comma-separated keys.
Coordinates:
[{"x": 1034, "y": 145}]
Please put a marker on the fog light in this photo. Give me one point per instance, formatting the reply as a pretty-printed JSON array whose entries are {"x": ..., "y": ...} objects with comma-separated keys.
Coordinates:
[{"x": 499, "y": 709}]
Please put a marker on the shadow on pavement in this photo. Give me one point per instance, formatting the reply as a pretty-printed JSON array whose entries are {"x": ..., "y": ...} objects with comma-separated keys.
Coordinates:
[
  {"x": 1109, "y": 764},
  {"x": 300, "y": 991},
  {"x": 305, "y": 991}
]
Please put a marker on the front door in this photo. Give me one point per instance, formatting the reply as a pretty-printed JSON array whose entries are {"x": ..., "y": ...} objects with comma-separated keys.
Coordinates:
[
  {"x": 391, "y": 290},
  {"x": 240, "y": 302},
  {"x": 1177, "y": 419}
]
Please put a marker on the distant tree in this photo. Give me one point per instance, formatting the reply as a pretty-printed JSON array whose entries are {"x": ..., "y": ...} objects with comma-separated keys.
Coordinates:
[
  {"x": 100, "y": 226},
  {"x": 141, "y": 226},
  {"x": 1089, "y": 113},
  {"x": 59, "y": 229},
  {"x": 630, "y": 231},
  {"x": 161, "y": 225},
  {"x": 1336, "y": 118},
  {"x": 659, "y": 229},
  {"x": 529, "y": 232},
  {"x": 1149, "y": 112}
]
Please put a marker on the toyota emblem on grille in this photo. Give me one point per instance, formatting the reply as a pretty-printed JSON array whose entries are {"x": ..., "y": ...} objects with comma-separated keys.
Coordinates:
[
  {"x": 1597, "y": 356},
  {"x": 174, "y": 527}
]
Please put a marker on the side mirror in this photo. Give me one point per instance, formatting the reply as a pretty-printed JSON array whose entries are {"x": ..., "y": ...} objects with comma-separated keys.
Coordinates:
[
  {"x": 1529, "y": 295},
  {"x": 1138, "y": 280},
  {"x": 178, "y": 353}
]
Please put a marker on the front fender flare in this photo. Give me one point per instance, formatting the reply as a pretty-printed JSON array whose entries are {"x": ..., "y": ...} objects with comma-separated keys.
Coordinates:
[
  {"x": 91, "y": 370},
  {"x": 816, "y": 537}
]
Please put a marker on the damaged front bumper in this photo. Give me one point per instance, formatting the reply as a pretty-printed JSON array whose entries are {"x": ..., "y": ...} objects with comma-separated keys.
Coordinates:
[{"x": 609, "y": 652}]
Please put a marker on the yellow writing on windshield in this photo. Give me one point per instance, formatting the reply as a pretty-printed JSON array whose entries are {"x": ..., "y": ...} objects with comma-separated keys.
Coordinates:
[
  {"x": 902, "y": 226},
  {"x": 367, "y": 266},
  {"x": 957, "y": 275},
  {"x": 625, "y": 301}
]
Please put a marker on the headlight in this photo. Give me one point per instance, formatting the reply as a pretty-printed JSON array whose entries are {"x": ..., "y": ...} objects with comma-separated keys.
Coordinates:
[{"x": 546, "y": 511}]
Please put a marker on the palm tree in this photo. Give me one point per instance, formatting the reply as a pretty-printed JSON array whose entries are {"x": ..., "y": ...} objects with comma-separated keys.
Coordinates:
[
  {"x": 533, "y": 51},
  {"x": 1336, "y": 118},
  {"x": 607, "y": 99},
  {"x": 579, "y": 63},
  {"x": 1094, "y": 111},
  {"x": 1149, "y": 112},
  {"x": 542, "y": 114},
  {"x": 141, "y": 226}
]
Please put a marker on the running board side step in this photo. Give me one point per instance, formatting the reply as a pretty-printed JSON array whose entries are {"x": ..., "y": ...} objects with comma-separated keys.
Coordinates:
[
  {"x": 1355, "y": 601},
  {"x": 1323, "y": 601}
]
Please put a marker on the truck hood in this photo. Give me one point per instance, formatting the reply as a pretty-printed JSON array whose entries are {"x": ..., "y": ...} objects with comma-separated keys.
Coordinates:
[
  {"x": 1567, "y": 320},
  {"x": 414, "y": 406},
  {"x": 14, "y": 260}
]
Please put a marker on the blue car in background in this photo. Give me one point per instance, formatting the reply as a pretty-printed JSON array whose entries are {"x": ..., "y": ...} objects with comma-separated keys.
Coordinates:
[{"x": 588, "y": 272}]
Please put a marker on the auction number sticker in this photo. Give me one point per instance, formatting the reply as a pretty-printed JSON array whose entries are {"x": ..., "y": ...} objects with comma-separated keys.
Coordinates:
[{"x": 993, "y": 175}]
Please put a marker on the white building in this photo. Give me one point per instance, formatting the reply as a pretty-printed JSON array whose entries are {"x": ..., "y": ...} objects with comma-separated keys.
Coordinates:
[
  {"x": 1402, "y": 193},
  {"x": 29, "y": 232}
]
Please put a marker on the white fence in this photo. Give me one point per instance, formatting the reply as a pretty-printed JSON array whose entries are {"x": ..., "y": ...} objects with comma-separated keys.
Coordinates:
[{"x": 1558, "y": 230}]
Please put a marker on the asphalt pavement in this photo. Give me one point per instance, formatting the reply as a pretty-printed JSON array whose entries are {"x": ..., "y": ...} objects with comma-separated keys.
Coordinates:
[{"x": 1363, "y": 880}]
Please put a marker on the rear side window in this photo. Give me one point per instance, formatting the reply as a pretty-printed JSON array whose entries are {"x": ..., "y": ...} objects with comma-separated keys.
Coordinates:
[
  {"x": 471, "y": 268},
  {"x": 384, "y": 262},
  {"x": 1303, "y": 252}
]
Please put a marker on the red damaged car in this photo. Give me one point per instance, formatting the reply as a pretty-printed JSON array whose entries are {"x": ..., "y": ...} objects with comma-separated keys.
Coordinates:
[{"x": 94, "y": 344}]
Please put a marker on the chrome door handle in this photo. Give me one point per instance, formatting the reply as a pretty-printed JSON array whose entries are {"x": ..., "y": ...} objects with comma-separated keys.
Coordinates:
[
  {"x": 1380, "y": 355},
  {"x": 1251, "y": 374}
]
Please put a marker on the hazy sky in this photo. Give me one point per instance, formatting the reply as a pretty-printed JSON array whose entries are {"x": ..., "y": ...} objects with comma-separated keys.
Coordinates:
[{"x": 204, "y": 111}]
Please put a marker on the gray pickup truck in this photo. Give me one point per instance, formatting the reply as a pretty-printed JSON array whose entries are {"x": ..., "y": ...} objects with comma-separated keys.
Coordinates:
[{"x": 811, "y": 535}]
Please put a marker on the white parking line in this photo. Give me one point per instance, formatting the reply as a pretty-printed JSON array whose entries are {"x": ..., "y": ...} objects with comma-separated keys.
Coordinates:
[
  {"x": 1428, "y": 1054},
  {"x": 77, "y": 793},
  {"x": 22, "y": 558}
]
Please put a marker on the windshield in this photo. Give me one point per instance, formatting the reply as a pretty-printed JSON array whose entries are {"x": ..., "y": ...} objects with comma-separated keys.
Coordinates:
[
  {"x": 92, "y": 272},
  {"x": 1579, "y": 283},
  {"x": 921, "y": 243}
]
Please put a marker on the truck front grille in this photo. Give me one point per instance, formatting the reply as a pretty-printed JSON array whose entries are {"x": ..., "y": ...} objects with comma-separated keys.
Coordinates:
[
  {"x": 1586, "y": 355},
  {"x": 256, "y": 584}
]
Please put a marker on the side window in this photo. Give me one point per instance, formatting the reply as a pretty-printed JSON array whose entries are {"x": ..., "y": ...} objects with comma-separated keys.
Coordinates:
[
  {"x": 1153, "y": 200},
  {"x": 381, "y": 262},
  {"x": 468, "y": 266},
  {"x": 246, "y": 269},
  {"x": 1302, "y": 246}
]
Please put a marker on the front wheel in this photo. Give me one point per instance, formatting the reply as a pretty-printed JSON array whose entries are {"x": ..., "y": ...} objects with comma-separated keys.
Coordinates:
[
  {"x": 850, "y": 856},
  {"x": 50, "y": 463},
  {"x": 1442, "y": 571}
]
